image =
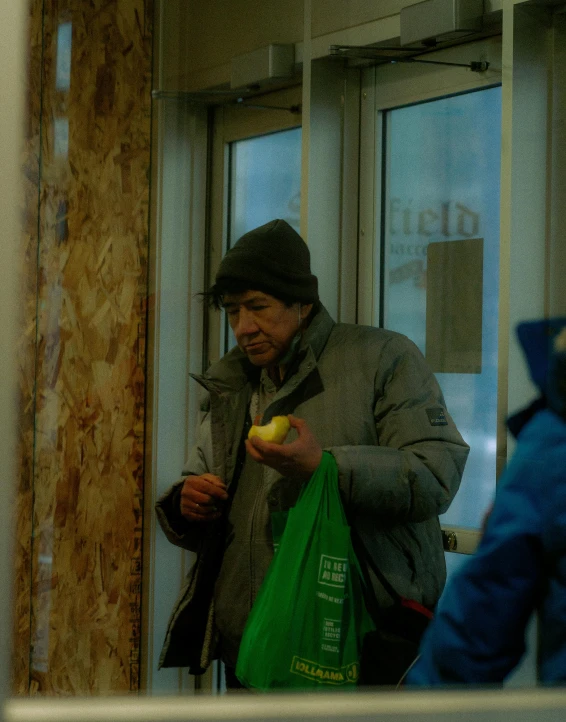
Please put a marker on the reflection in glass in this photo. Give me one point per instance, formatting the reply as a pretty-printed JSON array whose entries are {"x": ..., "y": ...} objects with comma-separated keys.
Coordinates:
[
  {"x": 61, "y": 139},
  {"x": 442, "y": 184},
  {"x": 63, "y": 61}
]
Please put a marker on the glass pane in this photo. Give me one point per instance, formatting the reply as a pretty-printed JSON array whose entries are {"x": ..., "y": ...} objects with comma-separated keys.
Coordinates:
[
  {"x": 442, "y": 186},
  {"x": 265, "y": 183}
]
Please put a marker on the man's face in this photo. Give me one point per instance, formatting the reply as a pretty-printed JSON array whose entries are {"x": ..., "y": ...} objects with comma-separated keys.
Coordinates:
[{"x": 263, "y": 325}]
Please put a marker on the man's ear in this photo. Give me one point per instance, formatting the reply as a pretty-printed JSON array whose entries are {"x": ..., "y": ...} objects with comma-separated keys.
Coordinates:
[{"x": 304, "y": 310}]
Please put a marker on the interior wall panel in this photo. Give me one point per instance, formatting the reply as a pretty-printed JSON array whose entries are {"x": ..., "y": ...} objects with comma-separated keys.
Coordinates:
[
  {"x": 203, "y": 41},
  {"x": 329, "y": 16},
  {"x": 87, "y": 447}
]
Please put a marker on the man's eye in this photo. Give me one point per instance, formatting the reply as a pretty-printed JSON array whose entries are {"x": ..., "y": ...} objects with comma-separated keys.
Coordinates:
[
  {"x": 258, "y": 308},
  {"x": 232, "y": 312}
]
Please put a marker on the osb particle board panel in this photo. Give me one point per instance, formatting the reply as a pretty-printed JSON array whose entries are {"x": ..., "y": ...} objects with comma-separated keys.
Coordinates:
[
  {"x": 26, "y": 354},
  {"x": 93, "y": 245}
]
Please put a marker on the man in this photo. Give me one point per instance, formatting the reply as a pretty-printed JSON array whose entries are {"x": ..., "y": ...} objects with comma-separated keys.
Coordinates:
[
  {"x": 364, "y": 394},
  {"x": 519, "y": 568}
]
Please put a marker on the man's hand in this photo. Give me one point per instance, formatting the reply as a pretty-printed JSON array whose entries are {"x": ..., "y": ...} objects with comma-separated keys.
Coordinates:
[
  {"x": 201, "y": 496},
  {"x": 299, "y": 458}
]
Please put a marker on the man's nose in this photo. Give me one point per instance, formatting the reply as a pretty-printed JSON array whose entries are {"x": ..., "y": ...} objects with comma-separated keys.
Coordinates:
[{"x": 246, "y": 324}]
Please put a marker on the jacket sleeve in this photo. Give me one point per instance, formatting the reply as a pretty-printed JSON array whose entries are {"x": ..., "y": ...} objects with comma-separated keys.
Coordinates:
[
  {"x": 478, "y": 633},
  {"x": 415, "y": 469},
  {"x": 177, "y": 529}
]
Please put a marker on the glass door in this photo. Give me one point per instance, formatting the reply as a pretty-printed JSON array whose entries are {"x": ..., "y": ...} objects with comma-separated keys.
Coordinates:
[
  {"x": 440, "y": 271},
  {"x": 434, "y": 249},
  {"x": 265, "y": 181}
]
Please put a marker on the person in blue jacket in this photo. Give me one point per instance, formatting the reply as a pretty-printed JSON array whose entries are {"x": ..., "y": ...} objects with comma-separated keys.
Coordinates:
[{"x": 478, "y": 632}]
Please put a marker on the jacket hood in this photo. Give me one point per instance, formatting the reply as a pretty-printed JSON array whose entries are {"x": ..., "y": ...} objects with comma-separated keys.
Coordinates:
[
  {"x": 537, "y": 339},
  {"x": 544, "y": 346}
]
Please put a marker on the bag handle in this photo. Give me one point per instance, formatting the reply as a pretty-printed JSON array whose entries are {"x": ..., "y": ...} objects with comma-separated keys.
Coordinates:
[{"x": 324, "y": 484}]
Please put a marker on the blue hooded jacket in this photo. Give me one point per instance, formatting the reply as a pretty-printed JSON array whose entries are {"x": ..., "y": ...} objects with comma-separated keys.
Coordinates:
[{"x": 478, "y": 633}]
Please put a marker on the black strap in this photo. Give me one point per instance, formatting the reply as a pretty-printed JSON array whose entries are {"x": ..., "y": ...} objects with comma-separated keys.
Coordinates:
[
  {"x": 366, "y": 561},
  {"x": 241, "y": 454}
]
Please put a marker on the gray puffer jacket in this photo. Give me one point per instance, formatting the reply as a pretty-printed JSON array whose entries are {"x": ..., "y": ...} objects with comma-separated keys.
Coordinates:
[{"x": 371, "y": 400}]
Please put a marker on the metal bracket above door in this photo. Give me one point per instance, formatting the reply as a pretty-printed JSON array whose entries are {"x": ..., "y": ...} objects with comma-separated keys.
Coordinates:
[{"x": 382, "y": 55}]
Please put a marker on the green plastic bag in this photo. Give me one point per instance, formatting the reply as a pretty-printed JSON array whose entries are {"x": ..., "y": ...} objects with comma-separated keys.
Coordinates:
[{"x": 307, "y": 625}]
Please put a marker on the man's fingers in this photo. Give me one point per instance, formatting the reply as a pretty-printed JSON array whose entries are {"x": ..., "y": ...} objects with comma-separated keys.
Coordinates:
[
  {"x": 298, "y": 458},
  {"x": 264, "y": 446},
  {"x": 201, "y": 497},
  {"x": 264, "y": 450},
  {"x": 253, "y": 451},
  {"x": 202, "y": 485},
  {"x": 198, "y": 510},
  {"x": 213, "y": 485},
  {"x": 216, "y": 480},
  {"x": 199, "y": 507},
  {"x": 296, "y": 422},
  {"x": 197, "y": 497},
  {"x": 205, "y": 509},
  {"x": 196, "y": 515}
]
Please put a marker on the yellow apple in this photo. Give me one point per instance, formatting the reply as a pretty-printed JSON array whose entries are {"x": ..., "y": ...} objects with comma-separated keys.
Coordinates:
[{"x": 275, "y": 431}]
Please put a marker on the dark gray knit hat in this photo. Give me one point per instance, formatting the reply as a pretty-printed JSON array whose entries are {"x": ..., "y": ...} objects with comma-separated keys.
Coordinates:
[{"x": 272, "y": 258}]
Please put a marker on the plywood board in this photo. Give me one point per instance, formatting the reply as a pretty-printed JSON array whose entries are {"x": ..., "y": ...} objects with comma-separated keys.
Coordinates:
[{"x": 84, "y": 437}]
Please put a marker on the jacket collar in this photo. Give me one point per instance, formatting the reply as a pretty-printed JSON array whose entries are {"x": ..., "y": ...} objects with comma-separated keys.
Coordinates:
[
  {"x": 318, "y": 332},
  {"x": 234, "y": 371}
]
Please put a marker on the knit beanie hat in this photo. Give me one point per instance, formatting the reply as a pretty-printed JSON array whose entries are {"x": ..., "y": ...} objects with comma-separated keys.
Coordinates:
[{"x": 272, "y": 258}]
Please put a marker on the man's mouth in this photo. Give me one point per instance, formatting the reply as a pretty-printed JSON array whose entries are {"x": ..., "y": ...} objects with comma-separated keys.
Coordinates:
[{"x": 254, "y": 348}]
